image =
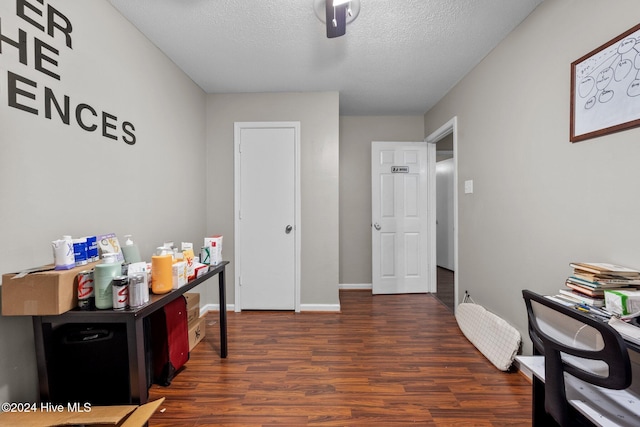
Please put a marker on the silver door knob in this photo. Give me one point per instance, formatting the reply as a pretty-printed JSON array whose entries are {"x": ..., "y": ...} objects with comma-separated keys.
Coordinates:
[
  {"x": 288, "y": 229},
  {"x": 377, "y": 226}
]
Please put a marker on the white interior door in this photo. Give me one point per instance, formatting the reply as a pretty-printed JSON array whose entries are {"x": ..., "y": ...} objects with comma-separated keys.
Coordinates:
[
  {"x": 267, "y": 235},
  {"x": 399, "y": 217}
]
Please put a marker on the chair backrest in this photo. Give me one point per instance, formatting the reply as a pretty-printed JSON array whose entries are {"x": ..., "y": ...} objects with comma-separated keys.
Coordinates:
[{"x": 580, "y": 345}]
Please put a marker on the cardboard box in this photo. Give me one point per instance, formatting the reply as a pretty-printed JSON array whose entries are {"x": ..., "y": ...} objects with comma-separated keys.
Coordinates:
[
  {"x": 201, "y": 269},
  {"x": 622, "y": 302},
  {"x": 193, "y": 299},
  {"x": 196, "y": 332},
  {"x": 215, "y": 245},
  {"x": 114, "y": 416},
  {"x": 193, "y": 314},
  {"x": 41, "y": 293},
  {"x": 179, "y": 274}
]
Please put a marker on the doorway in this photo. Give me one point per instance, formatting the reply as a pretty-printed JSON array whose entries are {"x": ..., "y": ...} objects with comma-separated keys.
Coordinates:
[
  {"x": 444, "y": 201},
  {"x": 267, "y": 215}
]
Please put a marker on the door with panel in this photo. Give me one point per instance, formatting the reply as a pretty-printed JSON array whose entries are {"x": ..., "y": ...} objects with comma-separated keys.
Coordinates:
[
  {"x": 266, "y": 216},
  {"x": 399, "y": 217}
]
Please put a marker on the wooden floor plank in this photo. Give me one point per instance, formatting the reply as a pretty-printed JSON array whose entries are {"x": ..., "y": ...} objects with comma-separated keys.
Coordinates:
[{"x": 389, "y": 360}]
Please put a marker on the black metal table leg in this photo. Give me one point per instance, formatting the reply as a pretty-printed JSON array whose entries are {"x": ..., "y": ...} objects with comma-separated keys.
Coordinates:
[{"x": 223, "y": 314}]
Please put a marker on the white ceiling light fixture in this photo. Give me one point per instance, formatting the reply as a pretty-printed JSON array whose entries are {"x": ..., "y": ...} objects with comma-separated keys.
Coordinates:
[{"x": 336, "y": 14}]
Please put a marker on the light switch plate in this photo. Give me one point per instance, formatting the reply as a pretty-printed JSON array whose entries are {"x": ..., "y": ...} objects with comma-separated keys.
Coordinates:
[{"x": 468, "y": 186}]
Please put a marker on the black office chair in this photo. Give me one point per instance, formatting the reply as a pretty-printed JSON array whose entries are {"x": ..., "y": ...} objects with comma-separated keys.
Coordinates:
[{"x": 584, "y": 347}]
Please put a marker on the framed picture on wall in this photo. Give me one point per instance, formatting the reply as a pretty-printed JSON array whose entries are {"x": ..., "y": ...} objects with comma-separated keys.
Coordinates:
[{"x": 605, "y": 88}]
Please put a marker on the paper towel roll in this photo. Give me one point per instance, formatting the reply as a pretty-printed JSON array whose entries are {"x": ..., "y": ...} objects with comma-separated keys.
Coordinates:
[{"x": 161, "y": 274}]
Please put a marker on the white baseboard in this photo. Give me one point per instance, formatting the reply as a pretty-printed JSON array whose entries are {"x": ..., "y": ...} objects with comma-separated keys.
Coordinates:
[
  {"x": 320, "y": 307},
  {"x": 303, "y": 307},
  {"x": 351, "y": 286},
  {"x": 214, "y": 307},
  {"x": 523, "y": 369}
]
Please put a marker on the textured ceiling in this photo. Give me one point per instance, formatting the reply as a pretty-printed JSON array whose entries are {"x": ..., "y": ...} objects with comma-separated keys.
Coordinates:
[{"x": 399, "y": 57}]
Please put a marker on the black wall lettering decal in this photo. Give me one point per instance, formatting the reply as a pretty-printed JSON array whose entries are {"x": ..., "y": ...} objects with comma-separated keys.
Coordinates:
[{"x": 42, "y": 52}]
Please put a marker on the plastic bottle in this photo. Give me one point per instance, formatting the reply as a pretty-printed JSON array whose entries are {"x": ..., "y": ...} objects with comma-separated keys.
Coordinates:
[
  {"x": 161, "y": 273},
  {"x": 130, "y": 251},
  {"x": 103, "y": 273}
]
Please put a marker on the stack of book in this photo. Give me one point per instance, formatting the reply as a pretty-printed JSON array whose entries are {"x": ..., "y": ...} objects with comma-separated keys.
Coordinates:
[{"x": 589, "y": 280}]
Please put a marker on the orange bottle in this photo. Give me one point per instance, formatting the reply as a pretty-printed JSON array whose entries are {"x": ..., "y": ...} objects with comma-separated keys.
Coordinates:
[{"x": 161, "y": 273}]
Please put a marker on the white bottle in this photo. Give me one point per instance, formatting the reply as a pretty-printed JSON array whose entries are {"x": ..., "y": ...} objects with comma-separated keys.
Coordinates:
[{"x": 130, "y": 251}]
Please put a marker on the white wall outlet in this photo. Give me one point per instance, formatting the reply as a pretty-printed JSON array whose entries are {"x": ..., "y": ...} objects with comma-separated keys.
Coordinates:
[{"x": 468, "y": 186}]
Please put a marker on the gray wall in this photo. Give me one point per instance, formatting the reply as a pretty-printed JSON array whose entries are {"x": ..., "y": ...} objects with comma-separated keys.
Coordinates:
[
  {"x": 60, "y": 179},
  {"x": 539, "y": 202},
  {"x": 356, "y": 134},
  {"x": 318, "y": 117}
]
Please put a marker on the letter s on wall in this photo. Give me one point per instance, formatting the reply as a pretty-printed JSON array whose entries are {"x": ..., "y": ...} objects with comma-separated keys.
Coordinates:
[{"x": 128, "y": 128}]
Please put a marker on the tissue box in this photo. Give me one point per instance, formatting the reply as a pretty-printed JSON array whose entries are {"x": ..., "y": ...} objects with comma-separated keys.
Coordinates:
[{"x": 622, "y": 302}]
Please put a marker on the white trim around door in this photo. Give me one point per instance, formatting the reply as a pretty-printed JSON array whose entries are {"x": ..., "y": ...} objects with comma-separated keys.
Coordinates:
[{"x": 451, "y": 127}]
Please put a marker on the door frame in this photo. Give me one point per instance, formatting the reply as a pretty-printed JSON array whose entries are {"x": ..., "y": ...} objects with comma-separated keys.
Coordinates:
[
  {"x": 238, "y": 126},
  {"x": 450, "y": 127}
]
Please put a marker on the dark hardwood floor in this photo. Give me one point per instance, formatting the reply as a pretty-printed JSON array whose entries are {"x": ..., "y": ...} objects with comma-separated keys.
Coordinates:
[{"x": 387, "y": 360}]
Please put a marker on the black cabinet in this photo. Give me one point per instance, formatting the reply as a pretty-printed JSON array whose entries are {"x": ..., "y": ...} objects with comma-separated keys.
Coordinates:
[{"x": 89, "y": 363}]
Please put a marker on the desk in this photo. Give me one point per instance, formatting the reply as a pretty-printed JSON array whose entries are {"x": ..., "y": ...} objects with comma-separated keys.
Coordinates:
[
  {"x": 598, "y": 405},
  {"x": 133, "y": 319}
]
